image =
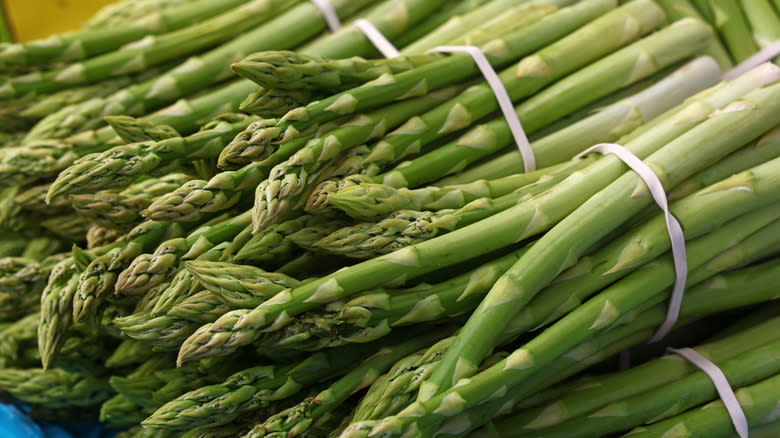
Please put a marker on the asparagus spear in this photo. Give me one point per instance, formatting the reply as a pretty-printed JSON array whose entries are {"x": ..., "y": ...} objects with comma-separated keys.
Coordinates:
[
  {"x": 120, "y": 412},
  {"x": 275, "y": 245},
  {"x": 127, "y": 11},
  {"x": 54, "y": 388},
  {"x": 56, "y": 314},
  {"x": 98, "y": 236},
  {"x": 241, "y": 286},
  {"x": 133, "y": 130},
  {"x": 273, "y": 103},
  {"x": 98, "y": 278},
  {"x": 83, "y": 44},
  {"x": 447, "y": 71},
  {"x": 758, "y": 402},
  {"x": 184, "y": 285},
  {"x": 149, "y": 270},
  {"x": 121, "y": 209},
  {"x": 487, "y": 235},
  {"x": 129, "y": 352}
]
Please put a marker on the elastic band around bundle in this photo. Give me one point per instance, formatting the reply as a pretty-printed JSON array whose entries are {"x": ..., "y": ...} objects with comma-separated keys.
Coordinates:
[
  {"x": 672, "y": 225},
  {"x": 385, "y": 47},
  {"x": 722, "y": 385},
  {"x": 504, "y": 102},
  {"x": 330, "y": 15},
  {"x": 764, "y": 55}
]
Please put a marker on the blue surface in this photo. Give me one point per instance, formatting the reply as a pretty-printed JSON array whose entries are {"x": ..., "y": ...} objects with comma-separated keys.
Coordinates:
[{"x": 15, "y": 424}]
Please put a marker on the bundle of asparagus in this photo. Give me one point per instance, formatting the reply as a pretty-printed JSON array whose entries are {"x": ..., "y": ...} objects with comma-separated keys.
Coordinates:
[{"x": 273, "y": 232}]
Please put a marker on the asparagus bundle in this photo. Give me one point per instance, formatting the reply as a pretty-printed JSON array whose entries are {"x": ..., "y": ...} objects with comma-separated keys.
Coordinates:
[{"x": 193, "y": 313}]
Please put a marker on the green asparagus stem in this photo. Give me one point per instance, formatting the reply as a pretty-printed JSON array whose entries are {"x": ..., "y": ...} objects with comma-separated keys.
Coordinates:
[
  {"x": 122, "y": 209},
  {"x": 133, "y": 130},
  {"x": 83, "y": 44},
  {"x": 273, "y": 103},
  {"x": 184, "y": 285},
  {"x": 758, "y": 401},
  {"x": 374, "y": 314},
  {"x": 129, "y": 352},
  {"x": 98, "y": 236},
  {"x": 120, "y": 412},
  {"x": 487, "y": 235},
  {"x": 763, "y": 20},
  {"x": 151, "y": 50},
  {"x": 294, "y": 71},
  {"x": 648, "y": 376},
  {"x": 532, "y": 272},
  {"x": 275, "y": 244},
  {"x": 677, "y": 9},
  {"x": 653, "y": 405},
  {"x": 733, "y": 27}
]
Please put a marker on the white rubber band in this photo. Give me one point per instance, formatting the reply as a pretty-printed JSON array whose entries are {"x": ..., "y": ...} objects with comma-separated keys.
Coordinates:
[
  {"x": 672, "y": 225},
  {"x": 504, "y": 102},
  {"x": 385, "y": 47},
  {"x": 764, "y": 55},
  {"x": 722, "y": 385},
  {"x": 330, "y": 15}
]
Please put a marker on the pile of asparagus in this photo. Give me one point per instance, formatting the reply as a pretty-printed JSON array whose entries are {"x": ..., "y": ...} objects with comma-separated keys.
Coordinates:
[{"x": 223, "y": 219}]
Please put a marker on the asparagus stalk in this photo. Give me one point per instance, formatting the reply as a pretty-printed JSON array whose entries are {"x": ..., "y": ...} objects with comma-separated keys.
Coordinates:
[
  {"x": 288, "y": 70},
  {"x": 374, "y": 314},
  {"x": 677, "y": 9},
  {"x": 120, "y": 412},
  {"x": 97, "y": 279},
  {"x": 120, "y": 165},
  {"x": 273, "y": 103},
  {"x": 56, "y": 314},
  {"x": 83, "y": 44},
  {"x": 133, "y": 130},
  {"x": 446, "y": 71},
  {"x": 184, "y": 285},
  {"x": 150, "y": 50},
  {"x": 712, "y": 420},
  {"x": 763, "y": 20},
  {"x": 733, "y": 27},
  {"x": 128, "y": 11},
  {"x": 487, "y": 235}
]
